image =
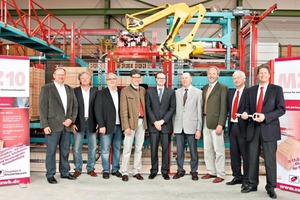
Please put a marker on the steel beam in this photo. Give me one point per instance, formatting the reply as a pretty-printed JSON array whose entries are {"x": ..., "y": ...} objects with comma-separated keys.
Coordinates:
[{"x": 123, "y": 11}]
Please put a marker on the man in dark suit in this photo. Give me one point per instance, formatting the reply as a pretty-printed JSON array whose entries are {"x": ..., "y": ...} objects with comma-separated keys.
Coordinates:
[
  {"x": 187, "y": 124},
  {"x": 265, "y": 102},
  {"x": 85, "y": 125},
  {"x": 58, "y": 110},
  {"x": 160, "y": 105},
  {"x": 107, "y": 110},
  {"x": 215, "y": 115},
  {"x": 237, "y": 130}
]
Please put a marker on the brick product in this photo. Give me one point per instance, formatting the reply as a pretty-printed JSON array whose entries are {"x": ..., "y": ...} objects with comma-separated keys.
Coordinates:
[
  {"x": 37, "y": 80},
  {"x": 72, "y": 75},
  {"x": 288, "y": 152}
]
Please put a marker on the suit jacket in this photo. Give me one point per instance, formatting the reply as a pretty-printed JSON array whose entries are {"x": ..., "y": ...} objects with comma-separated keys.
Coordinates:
[
  {"x": 105, "y": 110},
  {"x": 80, "y": 120},
  {"x": 216, "y": 108},
  {"x": 52, "y": 113},
  {"x": 273, "y": 107},
  {"x": 160, "y": 110},
  {"x": 129, "y": 107},
  {"x": 188, "y": 117},
  {"x": 241, "y": 107}
]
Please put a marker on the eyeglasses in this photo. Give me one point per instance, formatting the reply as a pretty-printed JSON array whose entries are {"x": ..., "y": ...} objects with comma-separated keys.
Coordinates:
[
  {"x": 60, "y": 74},
  {"x": 111, "y": 79},
  {"x": 160, "y": 78},
  {"x": 136, "y": 77}
]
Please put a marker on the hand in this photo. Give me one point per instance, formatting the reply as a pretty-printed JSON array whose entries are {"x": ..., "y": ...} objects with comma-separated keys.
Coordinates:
[
  {"x": 198, "y": 135},
  {"x": 102, "y": 130},
  {"x": 259, "y": 117},
  {"x": 47, "y": 130},
  {"x": 161, "y": 122},
  {"x": 75, "y": 129},
  {"x": 157, "y": 125},
  {"x": 128, "y": 131},
  {"x": 244, "y": 116},
  {"x": 219, "y": 129},
  {"x": 67, "y": 122}
]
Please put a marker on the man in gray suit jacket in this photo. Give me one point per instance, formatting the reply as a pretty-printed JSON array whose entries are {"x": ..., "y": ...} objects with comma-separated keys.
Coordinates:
[
  {"x": 58, "y": 110},
  {"x": 215, "y": 115},
  {"x": 161, "y": 105},
  {"x": 187, "y": 124}
]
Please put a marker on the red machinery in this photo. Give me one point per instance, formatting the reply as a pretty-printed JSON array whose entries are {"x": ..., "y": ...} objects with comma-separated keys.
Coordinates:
[{"x": 250, "y": 30}]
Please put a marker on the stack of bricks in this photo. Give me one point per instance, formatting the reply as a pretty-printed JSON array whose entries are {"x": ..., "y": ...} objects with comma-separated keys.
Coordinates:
[
  {"x": 123, "y": 81},
  {"x": 37, "y": 81},
  {"x": 132, "y": 65},
  {"x": 72, "y": 75},
  {"x": 95, "y": 65}
]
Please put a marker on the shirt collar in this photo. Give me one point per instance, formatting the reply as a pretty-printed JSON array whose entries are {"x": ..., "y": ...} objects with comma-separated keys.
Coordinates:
[{"x": 57, "y": 84}]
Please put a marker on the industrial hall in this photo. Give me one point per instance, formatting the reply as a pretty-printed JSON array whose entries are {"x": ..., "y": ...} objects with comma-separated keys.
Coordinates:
[{"x": 130, "y": 99}]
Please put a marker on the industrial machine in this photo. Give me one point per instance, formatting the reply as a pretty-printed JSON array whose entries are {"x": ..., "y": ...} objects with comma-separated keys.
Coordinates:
[{"x": 182, "y": 14}]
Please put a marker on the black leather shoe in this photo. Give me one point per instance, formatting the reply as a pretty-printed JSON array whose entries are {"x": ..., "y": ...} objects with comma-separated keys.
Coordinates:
[
  {"x": 52, "y": 180},
  {"x": 272, "y": 194},
  {"x": 117, "y": 174},
  {"x": 166, "y": 176},
  {"x": 151, "y": 176},
  {"x": 248, "y": 189},
  {"x": 243, "y": 185},
  {"x": 105, "y": 175},
  {"x": 234, "y": 182},
  {"x": 69, "y": 176}
]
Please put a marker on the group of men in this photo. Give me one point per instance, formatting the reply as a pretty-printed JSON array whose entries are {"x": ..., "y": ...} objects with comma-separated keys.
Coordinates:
[{"x": 187, "y": 112}]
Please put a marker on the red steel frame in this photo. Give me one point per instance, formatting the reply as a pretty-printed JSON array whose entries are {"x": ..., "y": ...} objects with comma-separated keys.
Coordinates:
[
  {"x": 167, "y": 65},
  {"x": 25, "y": 21},
  {"x": 137, "y": 52},
  {"x": 43, "y": 28},
  {"x": 246, "y": 30}
]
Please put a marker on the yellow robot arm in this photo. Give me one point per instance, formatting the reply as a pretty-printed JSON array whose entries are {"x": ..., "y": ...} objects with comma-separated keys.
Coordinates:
[{"x": 182, "y": 14}]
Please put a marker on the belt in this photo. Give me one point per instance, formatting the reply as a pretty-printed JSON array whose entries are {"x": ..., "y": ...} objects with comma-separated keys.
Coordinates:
[
  {"x": 204, "y": 115},
  {"x": 86, "y": 119},
  {"x": 234, "y": 123},
  {"x": 141, "y": 117}
]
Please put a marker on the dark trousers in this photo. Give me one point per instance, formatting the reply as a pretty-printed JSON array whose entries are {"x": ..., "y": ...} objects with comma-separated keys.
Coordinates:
[
  {"x": 180, "y": 145},
  {"x": 238, "y": 153},
  {"x": 154, "y": 142},
  {"x": 269, "y": 152},
  {"x": 61, "y": 138}
]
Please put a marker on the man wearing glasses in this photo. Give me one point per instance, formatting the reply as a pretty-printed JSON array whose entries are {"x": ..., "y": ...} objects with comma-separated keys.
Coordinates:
[
  {"x": 161, "y": 105},
  {"x": 107, "y": 113},
  {"x": 134, "y": 123}
]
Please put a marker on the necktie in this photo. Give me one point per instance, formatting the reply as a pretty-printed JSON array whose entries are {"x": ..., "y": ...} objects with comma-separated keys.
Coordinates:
[
  {"x": 185, "y": 96},
  {"x": 235, "y": 105},
  {"x": 206, "y": 97},
  {"x": 141, "y": 105},
  {"x": 260, "y": 100},
  {"x": 160, "y": 94}
]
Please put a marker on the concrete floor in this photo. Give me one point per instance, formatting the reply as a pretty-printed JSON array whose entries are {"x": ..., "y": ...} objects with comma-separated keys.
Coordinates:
[{"x": 86, "y": 187}]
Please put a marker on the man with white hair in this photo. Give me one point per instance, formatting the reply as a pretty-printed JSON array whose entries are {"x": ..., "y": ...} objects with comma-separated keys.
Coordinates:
[{"x": 237, "y": 130}]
